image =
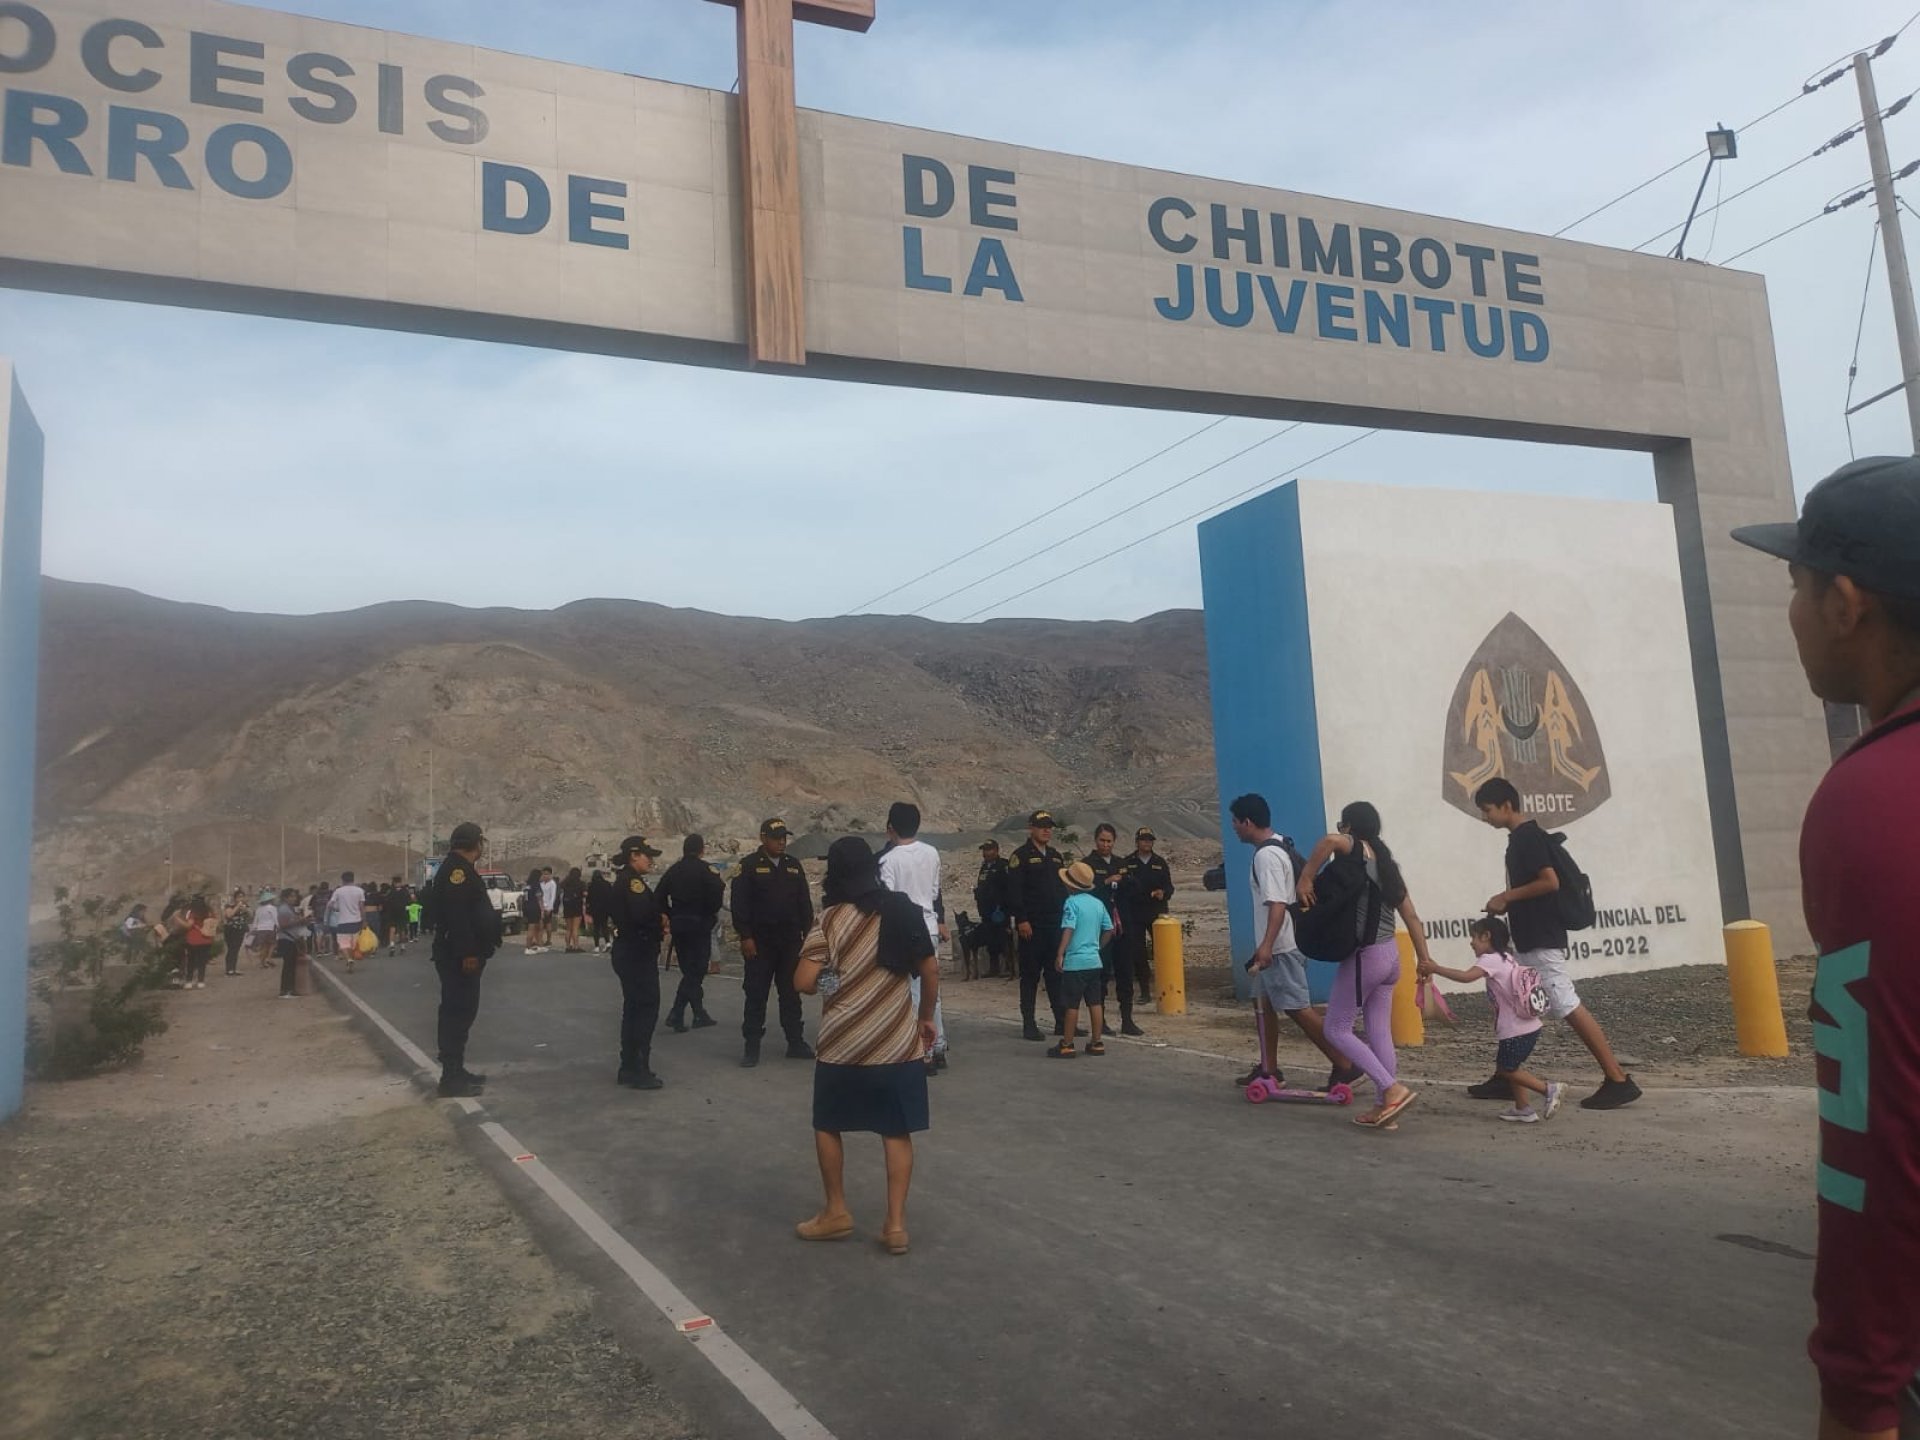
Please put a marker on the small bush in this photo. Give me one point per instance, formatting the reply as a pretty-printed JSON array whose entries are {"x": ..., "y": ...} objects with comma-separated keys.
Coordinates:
[{"x": 117, "y": 1022}]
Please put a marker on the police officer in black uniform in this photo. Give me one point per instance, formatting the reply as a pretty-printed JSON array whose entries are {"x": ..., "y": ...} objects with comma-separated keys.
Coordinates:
[
  {"x": 638, "y": 927},
  {"x": 1106, "y": 878},
  {"x": 1036, "y": 894},
  {"x": 772, "y": 913},
  {"x": 990, "y": 899},
  {"x": 1146, "y": 885},
  {"x": 693, "y": 896},
  {"x": 466, "y": 932}
]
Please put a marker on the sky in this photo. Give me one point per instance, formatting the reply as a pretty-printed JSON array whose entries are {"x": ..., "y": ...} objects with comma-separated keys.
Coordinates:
[{"x": 273, "y": 465}]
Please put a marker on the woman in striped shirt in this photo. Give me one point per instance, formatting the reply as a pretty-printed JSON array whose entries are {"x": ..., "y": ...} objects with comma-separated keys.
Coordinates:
[{"x": 861, "y": 957}]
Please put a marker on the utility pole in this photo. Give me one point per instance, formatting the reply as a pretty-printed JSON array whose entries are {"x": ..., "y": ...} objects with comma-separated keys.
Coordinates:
[
  {"x": 169, "y": 864},
  {"x": 283, "y": 857},
  {"x": 1899, "y": 281},
  {"x": 432, "y": 834},
  {"x": 229, "y": 864}
]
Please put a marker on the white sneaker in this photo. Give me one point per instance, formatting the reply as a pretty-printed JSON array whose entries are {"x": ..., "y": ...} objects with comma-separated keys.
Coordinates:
[
  {"x": 1554, "y": 1091},
  {"x": 1521, "y": 1117}
]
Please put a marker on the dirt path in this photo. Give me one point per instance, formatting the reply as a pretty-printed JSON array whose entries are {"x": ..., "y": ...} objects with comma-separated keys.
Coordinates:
[{"x": 259, "y": 1232}]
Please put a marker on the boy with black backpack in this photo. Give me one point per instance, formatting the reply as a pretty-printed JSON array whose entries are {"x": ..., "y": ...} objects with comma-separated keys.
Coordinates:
[{"x": 1536, "y": 902}]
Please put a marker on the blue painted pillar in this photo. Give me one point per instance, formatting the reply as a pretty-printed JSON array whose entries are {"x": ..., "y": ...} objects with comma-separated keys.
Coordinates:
[
  {"x": 1266, "y": 732},
  {"x": 22, "y": 455}
]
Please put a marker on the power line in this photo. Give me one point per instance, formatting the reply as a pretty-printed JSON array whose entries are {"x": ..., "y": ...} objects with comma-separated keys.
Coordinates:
[
  {"x": 1859, "y": 329},
  {"x": 1838, "y": 203},
  {"x": 1036, "y": 519},
  {"x": 1108, "y": 520},
  {"x": 1173, "y": 525},
  {"x": 1810, "y": 86}
]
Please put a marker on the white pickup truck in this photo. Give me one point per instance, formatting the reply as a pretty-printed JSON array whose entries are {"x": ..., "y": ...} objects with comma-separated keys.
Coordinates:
[{"x": 503, "y": 892}]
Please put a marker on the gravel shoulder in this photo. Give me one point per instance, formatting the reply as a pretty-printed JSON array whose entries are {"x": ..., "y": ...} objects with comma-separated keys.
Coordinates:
[{"x": 260, "y": 1231}]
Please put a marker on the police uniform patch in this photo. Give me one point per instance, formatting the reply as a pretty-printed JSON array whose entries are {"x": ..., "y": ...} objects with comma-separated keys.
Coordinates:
[
  {"x": 456, "y": 877},
  {"x": 636, "y": 886}
]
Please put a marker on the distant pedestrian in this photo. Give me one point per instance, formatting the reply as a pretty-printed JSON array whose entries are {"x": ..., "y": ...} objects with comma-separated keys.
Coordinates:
[
  {"x": 573, "y": 907},
  {"x": 345, "y": 914},
  {"x": 413, "y": 915},
  {"x": 869, "y": 945},
  {"x": 599, "y": 901},
  {"x": 235, "y": 921},
  {"x": 1532, "y": 907},
  {"x": 1278, "y": 968},
  {"x": 372, "y": 918},
  {"x": 1144, "y": 893},
  {"x": 549, "y": 906},
  {"x": 530, "y": 913},
  {"x": 1365, "y": 982},
  {"x": 1854, "y": 561},
  {"x": 466, "y": 932},
  {"x": 134, "y": 938},
  {"x": 202, "y": 932},
  {"x": 1036, "y": 893},
  {"x": 990, "y": 901},
  {"x": 911, "y": 867},
  {"x": 1516, "y": 1025},
  {"x": 293, "y": 932},
  {"x": 639, "y": 925},
  {"x": 693, "y": 895},
  {"x": 772, "y": 914},
  {"x": 1085, "y": 925}
]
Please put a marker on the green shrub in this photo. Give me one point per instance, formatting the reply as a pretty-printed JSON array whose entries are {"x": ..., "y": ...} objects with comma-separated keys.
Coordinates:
[{"x": 118, "y": 1022}]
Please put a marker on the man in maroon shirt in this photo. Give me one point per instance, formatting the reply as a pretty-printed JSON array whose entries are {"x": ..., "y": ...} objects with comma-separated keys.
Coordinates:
[{"x": 1854, "y": 559}]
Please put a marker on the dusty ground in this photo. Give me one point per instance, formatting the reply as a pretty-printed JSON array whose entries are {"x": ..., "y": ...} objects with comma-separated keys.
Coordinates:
[{"x": 258, "y": 1232}]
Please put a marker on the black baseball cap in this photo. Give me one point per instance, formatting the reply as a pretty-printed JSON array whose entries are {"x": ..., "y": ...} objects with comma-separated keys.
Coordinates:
[
  {"x": 1862, "y": 521},
  {"x": 1040, "y": 817},
  {"x": 774, "y": 830},
  {"x": 989, "y": 844},
  {"x": 637, "y": 845},
  {"x": 466, "y": 835},
  {"x": 1143, "y": 833}
]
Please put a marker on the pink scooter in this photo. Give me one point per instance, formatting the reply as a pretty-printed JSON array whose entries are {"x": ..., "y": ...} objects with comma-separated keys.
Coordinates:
[{"x": 1263, "y": 1088}]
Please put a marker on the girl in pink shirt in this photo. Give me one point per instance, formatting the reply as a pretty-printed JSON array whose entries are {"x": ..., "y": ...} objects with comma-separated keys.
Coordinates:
[{"x": 1518, "y": 1004}]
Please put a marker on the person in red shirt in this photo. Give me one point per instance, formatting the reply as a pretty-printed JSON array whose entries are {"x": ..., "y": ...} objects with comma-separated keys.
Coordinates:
[{"x": 1854, "y": 559}]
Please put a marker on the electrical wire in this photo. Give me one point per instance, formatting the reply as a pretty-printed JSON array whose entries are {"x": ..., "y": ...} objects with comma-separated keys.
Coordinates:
[
  {"x": 1808, "y": 87},
  {"x": 1108, "y": 519},
  {"x": 1036, "y": 519},
  {"x": 1714, "y": 234},
  {"x": 1859, "y": 329},
  {"x": 1187, "y": 519}
]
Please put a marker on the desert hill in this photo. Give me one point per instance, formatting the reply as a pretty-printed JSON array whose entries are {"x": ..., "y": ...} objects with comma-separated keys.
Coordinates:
[{"x": 167, "y": 723}]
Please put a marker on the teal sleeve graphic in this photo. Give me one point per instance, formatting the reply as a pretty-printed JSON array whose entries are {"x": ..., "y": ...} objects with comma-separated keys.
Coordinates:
[{"x": 1842, "y": 1038}]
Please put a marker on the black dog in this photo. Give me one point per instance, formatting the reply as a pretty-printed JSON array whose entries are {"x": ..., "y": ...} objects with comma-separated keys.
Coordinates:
[{"x": 973, "y": 941}]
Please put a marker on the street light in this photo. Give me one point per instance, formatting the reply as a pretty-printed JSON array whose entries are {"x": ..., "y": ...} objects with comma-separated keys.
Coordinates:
[{"x": 1722, "y": 144}]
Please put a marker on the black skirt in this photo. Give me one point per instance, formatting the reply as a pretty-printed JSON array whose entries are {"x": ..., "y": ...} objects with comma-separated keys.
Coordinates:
[{"x": 877, "y": 1099}]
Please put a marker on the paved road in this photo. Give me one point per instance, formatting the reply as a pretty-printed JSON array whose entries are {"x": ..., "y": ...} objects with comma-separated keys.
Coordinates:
[{"x": 1124, "y": 1246}]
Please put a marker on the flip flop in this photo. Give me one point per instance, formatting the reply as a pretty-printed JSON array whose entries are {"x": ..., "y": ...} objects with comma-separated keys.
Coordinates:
[{"x": 1387, "y": 1112}]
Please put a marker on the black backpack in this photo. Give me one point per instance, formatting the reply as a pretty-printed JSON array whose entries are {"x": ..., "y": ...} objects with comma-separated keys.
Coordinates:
[
  {"x": 1575, "y": 895},
  {"x": 1284, "y": 843},
  {"x": 1331, "y": 927}
]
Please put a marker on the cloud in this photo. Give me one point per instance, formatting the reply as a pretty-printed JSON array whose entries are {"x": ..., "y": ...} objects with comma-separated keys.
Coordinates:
[{"x": 271, "y": 465}]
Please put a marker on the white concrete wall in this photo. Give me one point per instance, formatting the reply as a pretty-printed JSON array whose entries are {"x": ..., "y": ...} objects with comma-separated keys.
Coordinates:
[
  {"x": 1402, "y": 587},
  {"x": 21, "y": 455}
]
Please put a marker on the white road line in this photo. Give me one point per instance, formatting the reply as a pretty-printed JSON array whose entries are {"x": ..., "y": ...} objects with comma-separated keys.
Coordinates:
[{"x": 789, "y": 1418}]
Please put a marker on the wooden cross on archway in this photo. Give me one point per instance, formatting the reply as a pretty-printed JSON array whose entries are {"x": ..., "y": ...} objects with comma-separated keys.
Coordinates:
[{"x": 770, "y": 169}]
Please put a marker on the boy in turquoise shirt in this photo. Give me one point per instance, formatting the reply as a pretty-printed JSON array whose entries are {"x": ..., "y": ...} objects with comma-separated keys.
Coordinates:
[{"x": 1085, "y": 925}]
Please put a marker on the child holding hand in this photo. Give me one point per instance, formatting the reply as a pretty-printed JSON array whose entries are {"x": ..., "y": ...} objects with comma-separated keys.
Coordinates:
[{"x": 1512, "y": 987}]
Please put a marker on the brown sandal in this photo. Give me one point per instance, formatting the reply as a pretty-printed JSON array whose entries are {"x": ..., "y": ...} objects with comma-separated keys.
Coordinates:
[
  {"x": 895, "y": 1241},
  {"x": 817, "y": 1229}
]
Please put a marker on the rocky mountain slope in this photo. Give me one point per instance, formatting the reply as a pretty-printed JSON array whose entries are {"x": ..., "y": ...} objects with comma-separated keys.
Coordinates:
[{"x": 557, "y": 729}]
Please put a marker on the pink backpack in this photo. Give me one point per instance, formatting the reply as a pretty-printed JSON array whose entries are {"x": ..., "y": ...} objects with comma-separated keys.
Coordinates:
[{"x": 1524, "y": 991}]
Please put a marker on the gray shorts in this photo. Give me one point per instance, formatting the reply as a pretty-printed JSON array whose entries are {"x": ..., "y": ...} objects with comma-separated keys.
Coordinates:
[
  {"x": 1082, "y": 987},
  {"x": 1284, "y": 982}
]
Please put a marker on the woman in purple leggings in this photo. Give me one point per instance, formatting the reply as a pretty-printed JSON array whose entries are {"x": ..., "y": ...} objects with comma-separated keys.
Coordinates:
[{"x": 1365, "y": 983}]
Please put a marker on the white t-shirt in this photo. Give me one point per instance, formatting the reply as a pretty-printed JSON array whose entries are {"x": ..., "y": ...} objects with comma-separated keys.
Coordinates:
[
  {"x": 343, "y": 907},
  {"x": 912, "y": 868},
  {"x": 266, "y": 916},
  {"x": 1272, "y": 885},
  {"x": 549, "y": 895}
]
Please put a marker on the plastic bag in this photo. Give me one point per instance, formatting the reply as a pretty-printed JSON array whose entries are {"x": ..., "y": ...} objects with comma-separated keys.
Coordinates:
[{"x": 366, "y": 942}]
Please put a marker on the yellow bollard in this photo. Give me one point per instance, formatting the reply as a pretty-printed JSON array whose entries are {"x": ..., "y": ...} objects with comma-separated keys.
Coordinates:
[
  {"x": 1757, "y": 1021},
  {"x": 1169, "y": 966},
  {"x": 1409, "y": 1025}
]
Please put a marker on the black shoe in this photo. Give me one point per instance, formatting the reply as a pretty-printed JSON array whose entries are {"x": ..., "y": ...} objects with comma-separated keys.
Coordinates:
[
  {"x": 676, "y": 1024},
  {"x": 1062, "y": 1051},
  {"x": 625, "y": 1077},
  {"x": 473, "y": 1077},
  {"x": 799, "y": 1050},
  {"x": 939, "y": 1059},
  {"x": 456, "y": 1087},
  {"x": 702, "y": 1020},
  {"x": 1352, "y": 1078},
  {"x": 643, "y": 1080},
  {"x": 1612, "y": 1094},
  {"x": 1279, "y": 1077},
  {"x": 1031, "y": 1032},
  {"x": 1492, "y": 1089},
  {"x": 1059, "y": 1029},
  {"x": 1127, "y": 1027},
  {"x": 752, "y": 1057}
]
